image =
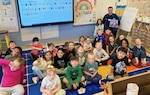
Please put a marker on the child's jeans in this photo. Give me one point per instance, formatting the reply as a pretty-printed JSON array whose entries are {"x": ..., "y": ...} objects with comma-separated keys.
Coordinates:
[
  {"x": 38, "y": 72},
  {"x": 95, "y": 79},
  {"x": 14, "y": 90},
  {"x": 141, "y": 54}
]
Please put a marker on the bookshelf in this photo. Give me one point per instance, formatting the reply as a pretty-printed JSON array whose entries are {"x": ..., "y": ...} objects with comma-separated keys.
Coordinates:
[{"x": 141, "y": 30}]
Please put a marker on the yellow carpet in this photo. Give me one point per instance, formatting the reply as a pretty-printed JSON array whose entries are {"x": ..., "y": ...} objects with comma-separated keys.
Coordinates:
[{"x": 104, "y": 70}]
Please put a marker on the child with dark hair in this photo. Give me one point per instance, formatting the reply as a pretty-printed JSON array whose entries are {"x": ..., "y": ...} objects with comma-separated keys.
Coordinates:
[
  {"x": 107, "y": 34},
  {"x": 40, "y": 65},
  {"x": 81, "y": 40},
  {"x": 99, "y": 25},
  {"x": 125, "y": 44},
  {"x": 36, "y": 48},
  {"x": 111, "y": 47},
  {"x": 16, "y": 52},
  {"x": 52, "y": 49},
  {"x": 119, "y": 63},
  {"x": 60, "y": 62},
  {"x": 73, "y": 74},
  {"x": 118, "y": 40},
  {"x": 13, "y": 77},
  {"x": 70, "y": 51},
  {"x": 12, "y": 45}
]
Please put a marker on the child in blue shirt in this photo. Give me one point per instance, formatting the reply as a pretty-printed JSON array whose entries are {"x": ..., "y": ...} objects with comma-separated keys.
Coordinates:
[{"x": 91, "y": 70}]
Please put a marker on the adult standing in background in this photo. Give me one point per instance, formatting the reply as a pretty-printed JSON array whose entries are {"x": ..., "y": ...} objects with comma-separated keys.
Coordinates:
[{"x": 111, "y": 21}]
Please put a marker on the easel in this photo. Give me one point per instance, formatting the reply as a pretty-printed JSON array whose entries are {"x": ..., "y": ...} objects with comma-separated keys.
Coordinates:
[{"x": 6, "y": 39}]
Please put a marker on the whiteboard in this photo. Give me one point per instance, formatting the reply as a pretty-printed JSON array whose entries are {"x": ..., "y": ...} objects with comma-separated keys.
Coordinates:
[
  {"x": 128, "y": 18},
  {"x": 8, "y": 16}
]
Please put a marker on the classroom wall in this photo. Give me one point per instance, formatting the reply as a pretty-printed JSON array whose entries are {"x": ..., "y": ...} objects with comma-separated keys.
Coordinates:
[{"x": 66, "y": 32}]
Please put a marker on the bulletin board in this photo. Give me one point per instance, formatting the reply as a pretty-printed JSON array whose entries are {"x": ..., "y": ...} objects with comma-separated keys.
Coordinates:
[
  {"x": 142, "y": 5},
  {"x": 84, "y": 12},
  {"x": 8, "y": 16},
  {"x": 88, "y": 11}
]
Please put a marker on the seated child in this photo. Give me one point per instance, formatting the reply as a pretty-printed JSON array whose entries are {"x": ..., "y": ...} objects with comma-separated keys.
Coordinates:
[
  {"x": 139, "y": 53},
  {"x": 36, "y": 48},
  {"x": 100, "y": 54},
  {"x": 107, "y": 34},
  {"x": 88, "y": 45},
  {"x": 99, "y": 37},
  {"x": 60, "y": 61},
  {"x": 111, "y": 47},
  {"x": 119, "y": 63},
  {"x": 70, "y": 51},
  {"x": 73, "y": 74},
  {"x": 12, "y": 45},
  {"x": 125, "y": 44},
  {"x": 52, "y": 49},
  {"x": 81, "y": 55},
  {"x": 99, "y": 25},
  {"x": 91, "y": 70},
  {"x": 40, "y": 65},
  {"x": 13, "y": 77},
  {"x": 118, "y": 40},
  {"x": 81, "y": 40},
  {"x": 51, "y": 84},
  {"x": 16, "y": 52}
]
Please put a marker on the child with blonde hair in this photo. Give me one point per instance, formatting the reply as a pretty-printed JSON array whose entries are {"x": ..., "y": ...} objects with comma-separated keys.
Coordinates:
[
  {"x": 81, "y": 55},
  {"x": 91, "y": 70},
  {"x": 100, "y": 54},
  {"x": 13, "y": 77},
  {"x": 88, "y": 45},
  {"x": 51, "y": 84},
  {"x": 139, "y": 53}
]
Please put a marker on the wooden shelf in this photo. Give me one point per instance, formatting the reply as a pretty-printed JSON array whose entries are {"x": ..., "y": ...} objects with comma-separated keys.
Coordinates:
[{"x": 141, "y": 30}]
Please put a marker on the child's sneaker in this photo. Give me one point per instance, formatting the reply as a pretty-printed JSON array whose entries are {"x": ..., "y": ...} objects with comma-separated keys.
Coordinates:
[{"x": 35, "y": 80}]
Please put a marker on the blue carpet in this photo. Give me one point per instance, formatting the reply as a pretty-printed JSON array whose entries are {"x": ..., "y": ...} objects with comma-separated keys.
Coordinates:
[
  {"x": 90, "y": 89},
  {"x": 33, "y": 89},
  {"x": 139, "y": 71},
  {"x": 1, "y": 74}
]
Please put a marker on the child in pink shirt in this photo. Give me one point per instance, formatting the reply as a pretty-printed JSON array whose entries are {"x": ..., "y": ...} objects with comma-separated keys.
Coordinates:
[{"x": 12, "y": 77}]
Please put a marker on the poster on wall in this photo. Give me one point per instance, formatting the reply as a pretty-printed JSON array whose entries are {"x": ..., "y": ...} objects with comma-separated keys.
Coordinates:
[
  {"x": 84, "y": 12},
  {"x": 119, "y": 10},
  {"x": 8, "y": 16}
]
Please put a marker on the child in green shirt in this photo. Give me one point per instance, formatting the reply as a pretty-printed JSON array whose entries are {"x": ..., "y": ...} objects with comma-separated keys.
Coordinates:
[{"x": 73, "y": 74}]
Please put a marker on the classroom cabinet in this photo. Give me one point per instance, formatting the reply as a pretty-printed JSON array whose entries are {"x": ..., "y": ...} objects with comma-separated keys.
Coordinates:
[{"x": 141, "y": 30}]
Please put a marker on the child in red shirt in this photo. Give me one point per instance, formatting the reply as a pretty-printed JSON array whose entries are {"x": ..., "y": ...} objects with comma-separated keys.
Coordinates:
[
  {"x": 36, "y": 48},
  {"x": 107, "y": 34}
]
